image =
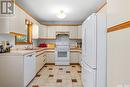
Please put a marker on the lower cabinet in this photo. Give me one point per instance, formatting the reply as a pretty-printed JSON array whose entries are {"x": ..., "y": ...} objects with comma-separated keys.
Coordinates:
[
  {"x": 50, "y": 57},
  {"x": 80, "y": 58},
  {"x": 75, "y": 57},
  {"x": 29, "y": 68},
  {"x": 40, "y": 60},
  {"x": 17, "y": 70},
  {"x": 43, "y": 57}
]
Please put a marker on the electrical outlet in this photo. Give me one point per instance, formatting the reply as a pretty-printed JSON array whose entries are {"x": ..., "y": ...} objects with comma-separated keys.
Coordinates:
[
  {"x": 120, "y": 85},
  {"x": 126, "y": 85}
]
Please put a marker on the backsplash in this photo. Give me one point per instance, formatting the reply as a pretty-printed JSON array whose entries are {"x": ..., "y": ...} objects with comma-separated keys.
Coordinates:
[
  {"x": 11, "y": 40},
  {"x": 72, "y": 42},
  {"x": 46, "y": 41},
  {"x": 8, "y": 37}
]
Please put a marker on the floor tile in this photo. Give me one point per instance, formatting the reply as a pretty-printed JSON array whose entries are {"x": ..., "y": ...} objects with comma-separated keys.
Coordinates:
[
  {"x": 74, "y": 80},
  {"x": 38, "y": 75},
  {"x": 67, "y": 71},
  {"x": 79, "y": 71},
  {"x": 58, "y": 76},
  {"x": 50, "y": 69},
  {"x": 59, "y": 81},
  {"x": 51, "y": 75}
]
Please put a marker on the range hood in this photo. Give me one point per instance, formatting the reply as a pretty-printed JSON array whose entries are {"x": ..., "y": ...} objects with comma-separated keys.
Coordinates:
[{"x": 62, "y": 33}]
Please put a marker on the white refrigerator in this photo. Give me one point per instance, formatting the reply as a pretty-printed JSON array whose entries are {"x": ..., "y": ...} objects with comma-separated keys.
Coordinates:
[{"x": 94, "y": 51}]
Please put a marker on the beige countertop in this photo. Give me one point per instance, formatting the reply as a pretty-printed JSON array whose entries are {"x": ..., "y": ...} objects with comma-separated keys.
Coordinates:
[
  {"x": 17, "y": 53},
  {"x": 21, "y": 52},
  {"x": 53, "y": 49}
]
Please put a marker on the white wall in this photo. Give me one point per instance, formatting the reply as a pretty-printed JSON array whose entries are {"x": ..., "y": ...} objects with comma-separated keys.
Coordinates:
[
  {"x": 11, "y": 39},
  {"x": 118, "y": 11},
  {"x": 103, "y": 10},
  {"x": 118, "y": 44},
  {"x": 118, "y": 58}
]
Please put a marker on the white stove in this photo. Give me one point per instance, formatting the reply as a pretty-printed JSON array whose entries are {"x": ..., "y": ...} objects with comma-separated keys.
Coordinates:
[
  {"x": 62, "y": 55},
  {"x": 62, "y": 50}
]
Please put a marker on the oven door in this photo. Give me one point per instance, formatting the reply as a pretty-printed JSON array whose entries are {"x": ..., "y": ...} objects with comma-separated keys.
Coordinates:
[
  {"x": 62, "y": 54},
  {"x": 62, "y": 58}
]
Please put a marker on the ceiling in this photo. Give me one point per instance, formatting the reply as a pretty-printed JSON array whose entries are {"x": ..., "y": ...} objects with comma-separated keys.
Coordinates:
[{"x": 45, "y": 11}]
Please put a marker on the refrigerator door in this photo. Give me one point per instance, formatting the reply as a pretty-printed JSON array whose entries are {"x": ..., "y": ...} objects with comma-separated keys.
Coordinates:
[
  {"x": 90, "y": 41},
  {"x": 88, "y": 76},
  {"x": 83, "y": 41}
]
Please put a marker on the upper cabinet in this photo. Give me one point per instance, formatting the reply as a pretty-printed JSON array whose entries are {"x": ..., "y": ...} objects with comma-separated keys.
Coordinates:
[
  {"x": 35, "y": 31},
  {"x": 52, "y": 32},
  {"x": 20, "y": 26},
  {"x": 4, "y": 25},
  {"x": 43, "y": 32},
  {"x": 73, "y": 30},
  {"x": 16, "y": 23},
  {"x": 13, "y": 23},
  {"x": 79, "y": 32},
  {"x": 49, "y": 32}
]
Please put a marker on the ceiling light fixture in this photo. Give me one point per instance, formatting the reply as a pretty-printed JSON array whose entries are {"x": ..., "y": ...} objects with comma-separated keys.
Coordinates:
[{"x": 61, "y": 14}]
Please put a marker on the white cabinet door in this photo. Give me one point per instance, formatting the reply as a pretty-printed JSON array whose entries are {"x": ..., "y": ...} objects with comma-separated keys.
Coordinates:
[
  {"x": 44, "y": 58},
  {"x": 43, "y": 31},
  {"x": 52, "y": 31},
  {"x": 7, "y": 24},
  {"x": 62, "y": 28},
  {"x": 74, "y": 57},
  {"x": 51, "y": 57},
  {"x": 29, "y": 68},
  {"x": 20, "y": 21},
  {"x": 80, "y": 58},
  {"x": 35, "y": 31},
  {"x": 73, "y": 31},
  {"x": 4, "y": 25},
  {"x": 80, "y": 32},
  {"x": 38, "y": 62},
  {"x": 59, "y": 28},
  {"x": 12, "y": 24}
]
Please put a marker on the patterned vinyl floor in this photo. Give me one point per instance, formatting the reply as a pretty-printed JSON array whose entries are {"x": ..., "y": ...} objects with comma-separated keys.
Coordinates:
[{"x": 58, "y": 76}]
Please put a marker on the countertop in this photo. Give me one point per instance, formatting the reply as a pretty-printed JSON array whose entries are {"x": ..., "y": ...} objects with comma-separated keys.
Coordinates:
[
  {"x": 17, "y": 53},
  {"x": 21, "y": 52}
]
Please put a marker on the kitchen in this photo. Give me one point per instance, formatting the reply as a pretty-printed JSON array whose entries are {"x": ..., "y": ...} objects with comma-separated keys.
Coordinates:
[
  {"x": 64, "y": 44},
  {"x": 47, "y": 54}
]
